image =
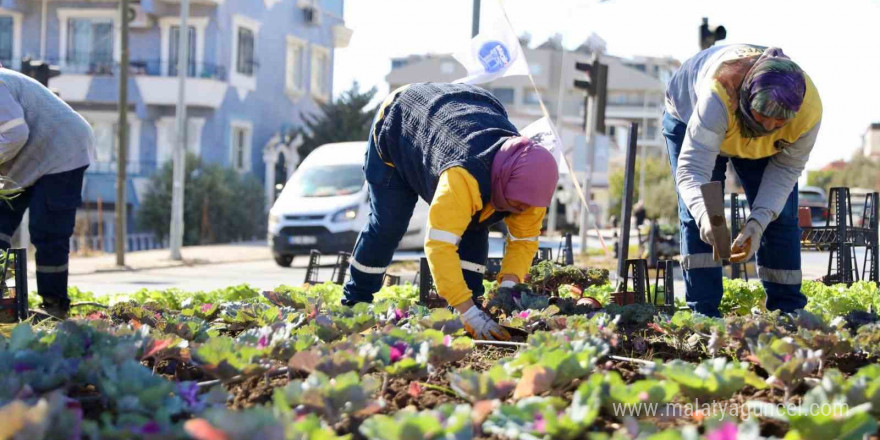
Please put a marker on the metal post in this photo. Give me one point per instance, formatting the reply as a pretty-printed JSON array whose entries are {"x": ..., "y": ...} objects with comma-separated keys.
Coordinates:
[
  {"x": 873, "y": 267},
  {"x": 179, "y": 156},
  {"x": 627, "y": 200},
  {"x": 475, "y": 26},
  {"x": 643, "y": 168},
  {"x": 590, "y": 108},
  {"x": 44, "y": 19},
  {"x": 553, "y": 215},
  {"x": 122, "y": 155},
  {"x": 735, "y": 269}
]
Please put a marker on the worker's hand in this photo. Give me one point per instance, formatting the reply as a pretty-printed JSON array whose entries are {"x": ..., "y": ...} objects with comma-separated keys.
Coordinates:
[
  {"x": 706, "y": 229},
  {"x": 746, "y": 244},
  {"x": 480, "y": 326}
]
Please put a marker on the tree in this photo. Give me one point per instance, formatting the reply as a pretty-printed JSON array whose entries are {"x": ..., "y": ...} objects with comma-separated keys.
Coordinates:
[
  {"x": 220, "y": 205},
  {"x": 348, "y": 118},
  {"x": 661, "y": 200},
  {"x": 860, "y": 172}
]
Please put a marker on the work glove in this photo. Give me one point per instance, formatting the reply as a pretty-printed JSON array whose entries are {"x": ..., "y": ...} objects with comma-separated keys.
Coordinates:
[
  {"x": 706, "y": 229},
  {"x": 480, "y": 326},
  {"x": 747, "y": 242}
]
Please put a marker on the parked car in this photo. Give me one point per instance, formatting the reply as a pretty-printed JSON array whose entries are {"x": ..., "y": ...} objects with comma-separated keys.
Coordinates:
[
  {"x": 815, "y": 199},
  {"x": 325, "y": 204},
  {"x": 857, "y": 197},
  {"x": 729, "y": 212}
]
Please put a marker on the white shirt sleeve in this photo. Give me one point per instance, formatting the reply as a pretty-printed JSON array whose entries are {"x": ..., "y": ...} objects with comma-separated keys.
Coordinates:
[
  {"x": 702, "y": 144},
  {"x": 13, "y": 129},
  {"x": 780, "y": 176}
]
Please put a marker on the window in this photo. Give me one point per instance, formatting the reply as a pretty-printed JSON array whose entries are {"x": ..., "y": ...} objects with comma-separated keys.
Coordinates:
[
  {"x": 170, "y": 42},
  {"x": 6, "y": 41},
  {"x": 652, "y": 129},
  {"x": 173, "y": 55},
  {"x": 244, "y": 64},
  {"x": 244, "y": 55},
  {"x": 531, "y": 97},
  {"x": 166, "y": 140},
  {"x": 504, "y": 94},
  {"x": 335, "y": 180},
  {"x": 241, "y": 145},
  {"x": 105, "y": 125},
  {"x": 321, "y": 72},
  {"x": 90, "y": 45},
  {"x": 295, "y": 72}
]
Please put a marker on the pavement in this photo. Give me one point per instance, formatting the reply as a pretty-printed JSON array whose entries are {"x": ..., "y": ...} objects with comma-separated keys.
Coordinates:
[
  {"x": 161, "y": 258},
  {"x": 219, "y": 266}
]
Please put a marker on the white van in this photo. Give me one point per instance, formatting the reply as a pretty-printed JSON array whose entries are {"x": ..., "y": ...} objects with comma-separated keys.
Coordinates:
[{"x": 325, "y": 205}]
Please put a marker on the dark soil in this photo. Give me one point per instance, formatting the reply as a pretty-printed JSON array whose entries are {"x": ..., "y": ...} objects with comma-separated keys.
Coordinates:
[{"x": 255, "y": 391}]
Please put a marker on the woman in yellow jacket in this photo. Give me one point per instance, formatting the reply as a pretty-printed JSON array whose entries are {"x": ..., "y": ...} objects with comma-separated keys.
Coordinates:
[{"x": 452, "y": 145}]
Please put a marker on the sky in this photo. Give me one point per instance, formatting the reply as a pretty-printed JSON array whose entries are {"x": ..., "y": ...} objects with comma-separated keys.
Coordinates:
[{"x": 837, "y": 42}]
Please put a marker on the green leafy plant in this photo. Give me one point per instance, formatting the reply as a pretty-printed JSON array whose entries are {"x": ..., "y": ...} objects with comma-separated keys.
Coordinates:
[
  {"x": 444, "y": 422},
  {"x": 493, "y": 384},
  {"x": 713, "y": 379},
  {"x": 330, "y": 398}
]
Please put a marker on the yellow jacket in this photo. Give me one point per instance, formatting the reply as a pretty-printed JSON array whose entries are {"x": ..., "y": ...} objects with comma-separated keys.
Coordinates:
[{"x": 456, "y": 201}]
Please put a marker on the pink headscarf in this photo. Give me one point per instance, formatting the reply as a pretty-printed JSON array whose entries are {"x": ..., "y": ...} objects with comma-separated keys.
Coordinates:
[{"x": 525, "y": 172}]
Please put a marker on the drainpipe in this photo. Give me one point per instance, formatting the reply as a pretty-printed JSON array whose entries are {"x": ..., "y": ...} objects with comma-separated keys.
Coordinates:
[{"x": 43, "y": 30}]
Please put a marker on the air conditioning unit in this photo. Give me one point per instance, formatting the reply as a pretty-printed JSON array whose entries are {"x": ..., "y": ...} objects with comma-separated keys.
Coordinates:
[
  {"x": 311, "y": 10},
  {"x": 137, "y": 18}
]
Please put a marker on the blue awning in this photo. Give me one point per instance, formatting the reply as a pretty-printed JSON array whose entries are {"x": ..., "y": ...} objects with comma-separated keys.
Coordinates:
[{"x": 103, "y": 186}]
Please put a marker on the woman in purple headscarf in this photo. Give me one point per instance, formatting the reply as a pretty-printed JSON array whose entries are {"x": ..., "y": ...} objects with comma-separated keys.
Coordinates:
[
  {"x": 754, "y": 107},
  {"x": 453, "y": 146}
]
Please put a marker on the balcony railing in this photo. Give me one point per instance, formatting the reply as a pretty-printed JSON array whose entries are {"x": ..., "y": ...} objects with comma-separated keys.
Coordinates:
[
  {"x": 167, "y": 68},
  {"x": 133, "y": 168},
  {"x": 98, "y": 65}
]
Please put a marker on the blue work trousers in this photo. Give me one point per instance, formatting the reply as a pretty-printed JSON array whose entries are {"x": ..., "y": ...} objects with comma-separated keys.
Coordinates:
[{"x": 52, "y": 200}]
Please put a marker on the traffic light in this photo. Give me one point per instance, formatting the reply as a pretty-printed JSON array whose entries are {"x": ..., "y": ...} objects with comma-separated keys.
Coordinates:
[
  {"x": 39, "y": 70},
  {"x": 709, "y": 36},
  {"x": 591, "y": 70},
  {"x": 596, "y": 85}
]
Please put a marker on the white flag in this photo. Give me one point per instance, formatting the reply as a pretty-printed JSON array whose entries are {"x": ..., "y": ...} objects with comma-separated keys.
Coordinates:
[
  {"x": 494, "y": 53},
  {"x": 543, "y": 132}
]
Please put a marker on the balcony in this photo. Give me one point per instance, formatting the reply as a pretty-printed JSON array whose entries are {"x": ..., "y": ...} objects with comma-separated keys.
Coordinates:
[
  {"x": 134, "y": 168},
  {"x": 158, "y": 83}
]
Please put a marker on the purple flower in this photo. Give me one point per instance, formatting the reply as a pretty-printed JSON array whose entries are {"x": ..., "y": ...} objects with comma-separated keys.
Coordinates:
[
  {"x": 397, "y": 351},
  {"x": 399, "y": 314},
  {"x": 189, "y": 392},
  {"x": 540, "y": 424},
  {"x": 263, "y": 342},
  {"x": 727, "y": 431},
  {"x": 447, "y": 341},
  {"x": 206, "y": 308},
  {"x": 524, "y": 314},
  {"x": 20, "y": 367},
  {"x": 148, "y": 428}
]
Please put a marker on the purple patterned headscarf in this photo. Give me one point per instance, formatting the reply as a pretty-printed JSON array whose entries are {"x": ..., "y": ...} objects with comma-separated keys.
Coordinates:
[{"x": 775, "y": 86}]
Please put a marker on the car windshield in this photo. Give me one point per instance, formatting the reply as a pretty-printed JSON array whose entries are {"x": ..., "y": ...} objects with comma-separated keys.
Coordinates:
[
  {"x": 328, "y": 181},
  {"x": 811, "y": 197}
]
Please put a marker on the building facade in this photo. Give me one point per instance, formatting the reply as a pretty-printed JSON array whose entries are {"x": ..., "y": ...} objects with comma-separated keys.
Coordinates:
[
  {"x": 634, "y": 95},
  {"x": 254, "y": 67},
  {"x": 871, "y": 141}
]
